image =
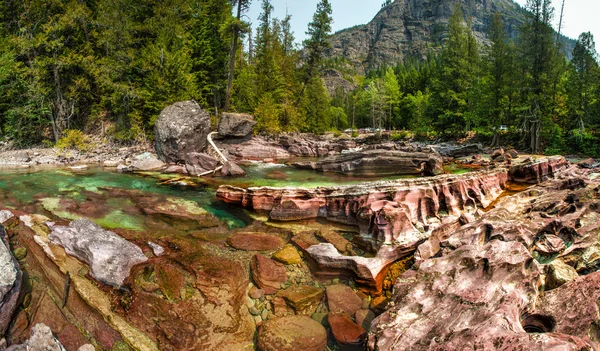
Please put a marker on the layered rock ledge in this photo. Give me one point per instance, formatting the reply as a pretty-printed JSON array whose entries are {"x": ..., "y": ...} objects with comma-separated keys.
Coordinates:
[
  {"x": 395, "y": 216},
  {"x": 522, "y": 277},
  {"x": 378, "y": 163}
]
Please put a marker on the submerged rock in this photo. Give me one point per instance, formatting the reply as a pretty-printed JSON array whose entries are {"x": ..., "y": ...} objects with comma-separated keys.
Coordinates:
[
  {"x": 304, "y": 299},
  {"x": 255, "y": 241},
  {"x": 292, "y": 333},
  {"x": 342, "y": 299},
  {"x": 180, "y": 129},
  {"x": 109, "y": 256}
]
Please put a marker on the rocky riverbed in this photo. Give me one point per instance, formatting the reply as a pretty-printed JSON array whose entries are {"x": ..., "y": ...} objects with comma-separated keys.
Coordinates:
[{"x": 498, "y": 253}]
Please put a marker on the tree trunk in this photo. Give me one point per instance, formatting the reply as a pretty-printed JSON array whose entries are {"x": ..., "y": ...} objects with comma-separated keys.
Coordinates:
[{"x": 233, "y": 54}]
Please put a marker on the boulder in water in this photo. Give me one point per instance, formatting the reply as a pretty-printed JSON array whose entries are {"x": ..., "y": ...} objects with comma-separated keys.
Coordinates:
[
  {"x": 180, "y": 129},
  {"x": 236, "y": 125},
  {"x": 109, "y": 256}
]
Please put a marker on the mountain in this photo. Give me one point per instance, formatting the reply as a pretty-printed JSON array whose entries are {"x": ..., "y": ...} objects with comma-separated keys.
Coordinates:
[{"x": 414, "y": 28}]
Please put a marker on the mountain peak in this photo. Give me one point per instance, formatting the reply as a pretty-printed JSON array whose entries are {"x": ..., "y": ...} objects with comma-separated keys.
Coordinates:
[{"x": 414, "y": 28}]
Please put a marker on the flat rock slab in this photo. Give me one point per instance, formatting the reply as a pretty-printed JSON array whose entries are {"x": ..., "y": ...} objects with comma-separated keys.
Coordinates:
[
  {"x": 268, "y": 274},
  {"x": 304, "y": 299},
  {"x": 109, "y": 256},
  {"x": 342, "y": 299},
  {"x": 255, "y": 242},
  {"x": 344, "y": 330},
  {"x": 288, "y": 255},
  {"x": 378, "y": 163},
  {"x": 292, "y": 333}
]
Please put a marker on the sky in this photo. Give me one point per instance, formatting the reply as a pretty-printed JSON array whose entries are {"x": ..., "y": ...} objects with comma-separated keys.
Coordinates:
[{"x": 580, "y": 15}]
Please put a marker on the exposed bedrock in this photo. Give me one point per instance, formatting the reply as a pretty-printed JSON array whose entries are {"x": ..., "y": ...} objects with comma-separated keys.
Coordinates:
[
  {"x": 10, "y": 282},
  {"x": 109, "y": 256},
  {"x": 395, "y": 216},
  {"x": 378, "y": 163},
  {"x": 527, "y": 267}
]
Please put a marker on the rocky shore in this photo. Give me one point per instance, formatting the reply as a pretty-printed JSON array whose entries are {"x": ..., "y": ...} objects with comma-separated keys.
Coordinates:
[{"x": 502, "y": 255}]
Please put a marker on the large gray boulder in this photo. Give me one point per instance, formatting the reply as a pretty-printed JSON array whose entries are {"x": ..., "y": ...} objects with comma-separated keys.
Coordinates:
[
  {"x": 180, "y": 129},
  {"x": 109, "y": 256},
  {"x": 237, "y": 125},
  {"x": 10, "y": 282}
]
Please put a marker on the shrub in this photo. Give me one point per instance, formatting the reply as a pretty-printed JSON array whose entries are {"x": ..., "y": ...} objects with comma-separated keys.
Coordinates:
[
  {"x": 73, "y": 139},
  {"x": 400, "y": 135},
  {"x": 355, "y": 134}
]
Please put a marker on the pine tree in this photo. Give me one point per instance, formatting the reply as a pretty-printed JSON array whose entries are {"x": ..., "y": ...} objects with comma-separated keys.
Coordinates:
[
  {"x": 237, "y": 29},
  {"x": 583, "y": 80},
  {"x": 459, "y": 61},
  {"x": 539, "y": 59},
  {"x": 319, "y": 31}
]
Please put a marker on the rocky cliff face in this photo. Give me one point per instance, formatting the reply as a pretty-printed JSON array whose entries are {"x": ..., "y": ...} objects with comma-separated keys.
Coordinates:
[{"x": 411, "y": 28}]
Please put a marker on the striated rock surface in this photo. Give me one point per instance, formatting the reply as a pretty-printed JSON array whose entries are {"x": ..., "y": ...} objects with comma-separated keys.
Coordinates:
[
  {"x": 236, "y": 125},
  {"x": 292, "y": 333},
  {"x": 482, "y": 287},
  {"x": 180, "y": 129},
  {"x": 395, "y": 216},
  {"x": 536, "y": 171},
  {"x": 378, "y": 163},
  {"x": 109, "y": 256},
  {"x": 10, "y": 282}
]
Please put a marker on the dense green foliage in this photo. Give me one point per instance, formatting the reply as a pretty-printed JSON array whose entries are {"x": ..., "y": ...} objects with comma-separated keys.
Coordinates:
[
  {"x": 522, "y": 93},
  {"x": 111, "y": 66}
]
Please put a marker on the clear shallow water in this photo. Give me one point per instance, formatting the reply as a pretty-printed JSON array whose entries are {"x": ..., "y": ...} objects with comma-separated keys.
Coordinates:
[
  {"x": 120, "y": 200},
  {"x": 48, "y": 189}
]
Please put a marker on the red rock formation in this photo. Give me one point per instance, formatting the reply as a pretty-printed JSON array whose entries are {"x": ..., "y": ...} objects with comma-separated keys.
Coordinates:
[
  {"x": 484, "y": 289},
  {"x": 397, "y": 216}
]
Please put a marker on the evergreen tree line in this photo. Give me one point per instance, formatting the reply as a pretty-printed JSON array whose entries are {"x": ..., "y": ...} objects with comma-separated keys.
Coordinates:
[
  {"x": 113, "y": 65},
  {"x": 524, "y": 92}
]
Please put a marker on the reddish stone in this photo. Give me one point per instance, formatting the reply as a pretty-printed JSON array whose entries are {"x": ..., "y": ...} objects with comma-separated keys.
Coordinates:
[
  {"x": 304, "y": 299},
  {"x": 255, "y": 242},
  {"x": 344, "y": 330},
  {"x": 268, "y": 274},
  {"x": 292, "y": 333},
  {"x": 341, "y": 298}
]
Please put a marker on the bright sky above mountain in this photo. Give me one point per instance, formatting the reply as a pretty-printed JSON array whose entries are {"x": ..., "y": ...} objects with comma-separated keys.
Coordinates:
[{"x": 580, "y": 15}]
